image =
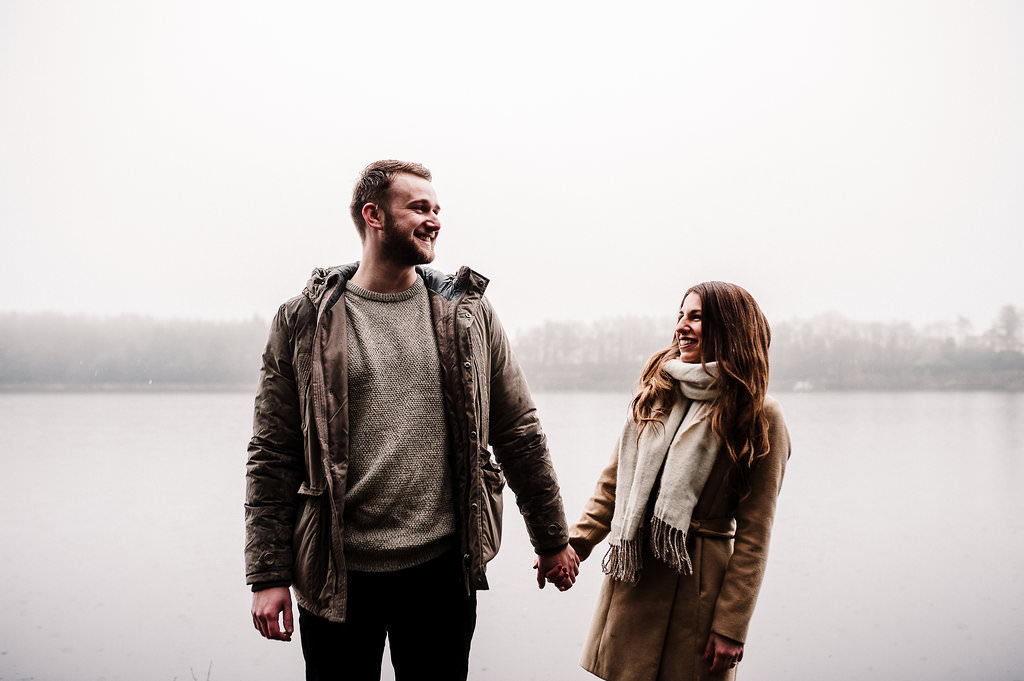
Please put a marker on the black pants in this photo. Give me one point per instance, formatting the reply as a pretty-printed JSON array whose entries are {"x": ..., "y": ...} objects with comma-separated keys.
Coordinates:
[{"x": 424, "y": 611}]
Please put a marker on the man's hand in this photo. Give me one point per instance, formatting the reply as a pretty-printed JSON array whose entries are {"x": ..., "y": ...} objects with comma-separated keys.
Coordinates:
[
  {"x": 722, "y": 653},
  {"x": 559, "y": 568},
  {"x": 267, "y": 606}
]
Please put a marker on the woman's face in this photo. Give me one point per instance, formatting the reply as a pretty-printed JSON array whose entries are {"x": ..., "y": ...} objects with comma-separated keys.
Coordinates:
[{"x": 688, "y": 333}]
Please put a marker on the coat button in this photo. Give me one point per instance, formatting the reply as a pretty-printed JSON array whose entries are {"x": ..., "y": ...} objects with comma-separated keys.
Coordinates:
[
  {"x": 472, "y": 435},
  {"x": 474, "y": 506},
  {"x": 553, "y": 529},
  {"x": 267, "y": 559},
  {"x": 468, "y": 316},
  {"x": 467, "y": 365}
]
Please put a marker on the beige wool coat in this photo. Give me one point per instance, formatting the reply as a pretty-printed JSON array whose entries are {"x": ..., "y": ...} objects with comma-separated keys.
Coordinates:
[{"x": 657, "y": 629}]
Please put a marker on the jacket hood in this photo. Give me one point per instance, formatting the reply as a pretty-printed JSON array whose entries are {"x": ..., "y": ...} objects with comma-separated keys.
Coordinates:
[
  {"x": 451, "y": 286},
  {"x": 322, "y": 278}
]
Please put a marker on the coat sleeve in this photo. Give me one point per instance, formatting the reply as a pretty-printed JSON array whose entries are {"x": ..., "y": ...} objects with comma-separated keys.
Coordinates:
[
  {"x": 596, "y": 521},
  {"x": 520, "y": 444},
  {"x": 275, "y": 465},
  {"x": 754, "y": 517}
]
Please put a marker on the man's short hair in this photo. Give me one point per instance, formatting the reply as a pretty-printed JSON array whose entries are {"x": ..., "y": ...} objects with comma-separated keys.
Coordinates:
[{"x": 373, "y": 185}]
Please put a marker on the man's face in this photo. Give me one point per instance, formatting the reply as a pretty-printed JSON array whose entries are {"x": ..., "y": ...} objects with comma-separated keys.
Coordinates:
[{"x": 410, "y": 221}]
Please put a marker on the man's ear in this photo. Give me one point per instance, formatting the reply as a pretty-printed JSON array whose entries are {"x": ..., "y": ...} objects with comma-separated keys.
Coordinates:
[{"x": 372, "y": 216}]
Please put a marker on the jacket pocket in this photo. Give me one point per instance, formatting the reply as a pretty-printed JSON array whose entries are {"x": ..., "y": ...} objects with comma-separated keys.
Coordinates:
[
  {"x": 311, "y": 544},
  {"x": 490, "y": 516},
  {"x": 314, "y": 469}
]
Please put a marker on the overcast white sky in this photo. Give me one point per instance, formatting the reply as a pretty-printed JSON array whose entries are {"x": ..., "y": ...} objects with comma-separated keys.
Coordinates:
[{"x": 196, "y": 159}]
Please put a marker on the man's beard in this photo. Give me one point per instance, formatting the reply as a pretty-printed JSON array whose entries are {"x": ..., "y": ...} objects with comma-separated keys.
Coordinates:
[{"x": 402, "y": 249}]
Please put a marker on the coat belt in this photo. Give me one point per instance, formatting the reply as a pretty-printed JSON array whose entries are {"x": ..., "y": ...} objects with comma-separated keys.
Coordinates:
[{"x": 717, "y": 528}]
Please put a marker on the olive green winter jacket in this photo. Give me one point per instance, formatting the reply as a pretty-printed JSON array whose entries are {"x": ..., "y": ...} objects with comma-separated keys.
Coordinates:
[{"x": 298, "y": 455}]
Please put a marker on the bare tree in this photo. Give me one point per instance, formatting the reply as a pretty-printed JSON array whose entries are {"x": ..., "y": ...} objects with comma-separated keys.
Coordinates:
[{"x": 1007, "y": 329}]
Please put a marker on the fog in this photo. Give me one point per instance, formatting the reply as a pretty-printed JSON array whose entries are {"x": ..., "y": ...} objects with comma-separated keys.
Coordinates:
[
  {"x": 52, "y": 351},
  {"x": 170, "y": 172},
  {"x": 195, "y": 159}
]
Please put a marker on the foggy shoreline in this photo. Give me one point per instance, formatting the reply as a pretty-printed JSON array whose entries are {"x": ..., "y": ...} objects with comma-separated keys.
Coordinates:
[{"x": 828, "y": 353}]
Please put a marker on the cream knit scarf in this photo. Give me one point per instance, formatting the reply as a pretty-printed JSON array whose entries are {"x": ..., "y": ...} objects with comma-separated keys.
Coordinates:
[{"x": 685, "y": 445}]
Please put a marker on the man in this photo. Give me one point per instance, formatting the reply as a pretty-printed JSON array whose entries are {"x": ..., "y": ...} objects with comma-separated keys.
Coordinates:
[{"x": 370, "y": 490}]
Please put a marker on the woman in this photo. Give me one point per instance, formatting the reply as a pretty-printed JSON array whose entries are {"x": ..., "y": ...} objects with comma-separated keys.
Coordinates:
[{"x": 688, "y": 499}]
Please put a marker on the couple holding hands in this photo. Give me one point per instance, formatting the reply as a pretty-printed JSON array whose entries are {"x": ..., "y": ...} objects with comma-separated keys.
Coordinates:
[{"x": 371, "y": 491}]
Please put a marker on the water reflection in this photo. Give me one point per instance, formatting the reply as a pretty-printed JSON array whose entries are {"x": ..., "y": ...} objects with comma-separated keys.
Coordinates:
[{"x": 894, "y": 555}]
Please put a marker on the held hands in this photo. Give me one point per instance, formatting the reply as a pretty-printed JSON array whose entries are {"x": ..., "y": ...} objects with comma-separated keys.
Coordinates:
[
  {"x": 267, "y": 606},
  {"x": 722, "y": 653},
  {"x": 560, "y": 568}
]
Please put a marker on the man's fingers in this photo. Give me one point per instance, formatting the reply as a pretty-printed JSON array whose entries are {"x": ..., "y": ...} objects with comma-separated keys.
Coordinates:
[
  {"x": 273, "y": 630},
  {"x": 540, "y": 573},
  {"x": 261, "y": 624},
  {"x": 256, "y": 623},
  {"x": 267, "y": 624},
  {"x": 288, "y": 623},
  {"x": 275, "y": 625}
]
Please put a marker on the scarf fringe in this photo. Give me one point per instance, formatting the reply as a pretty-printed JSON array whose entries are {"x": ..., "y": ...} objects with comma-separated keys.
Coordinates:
[
  {"x": 622, "y": 562},
  {"x": 668, "y": 544}
]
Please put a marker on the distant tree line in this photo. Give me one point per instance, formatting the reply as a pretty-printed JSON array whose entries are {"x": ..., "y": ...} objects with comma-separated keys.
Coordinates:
[
  {"x": 834, "y": 353},
  {"x": 60, "y": 351},
  {"x": 827, "y": 352}
]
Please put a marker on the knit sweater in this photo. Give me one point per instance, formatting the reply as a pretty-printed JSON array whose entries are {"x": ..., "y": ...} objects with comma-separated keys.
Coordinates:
[{"x": 399, "y": 510}]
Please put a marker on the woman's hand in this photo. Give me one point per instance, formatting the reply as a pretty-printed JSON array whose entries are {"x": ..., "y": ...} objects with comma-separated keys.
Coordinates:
[
  {"x": 722, "y": 653},
  {"x": 560, "y": 568}
]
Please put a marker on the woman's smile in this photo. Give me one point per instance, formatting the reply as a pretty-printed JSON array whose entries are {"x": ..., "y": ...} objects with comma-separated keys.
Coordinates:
[{"x": 688, "y": 329}]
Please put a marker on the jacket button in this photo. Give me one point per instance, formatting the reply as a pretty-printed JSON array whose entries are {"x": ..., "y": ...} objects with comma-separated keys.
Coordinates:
[
  {"x": 467, "y": 365},
  {"x": 552, "y": 529},
  {"x": 473, "y": 506},
  {"x": 267, "y": 559},
  {"x": 468, "y": 316},
  {"x": 472, "y": 435}
]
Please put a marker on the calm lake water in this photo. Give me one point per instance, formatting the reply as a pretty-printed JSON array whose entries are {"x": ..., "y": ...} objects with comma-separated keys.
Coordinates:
[{"x": 895, "y": 555}]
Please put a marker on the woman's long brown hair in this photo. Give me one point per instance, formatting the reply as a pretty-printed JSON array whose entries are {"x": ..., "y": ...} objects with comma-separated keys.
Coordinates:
[{"x": 736, "y": 335}]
